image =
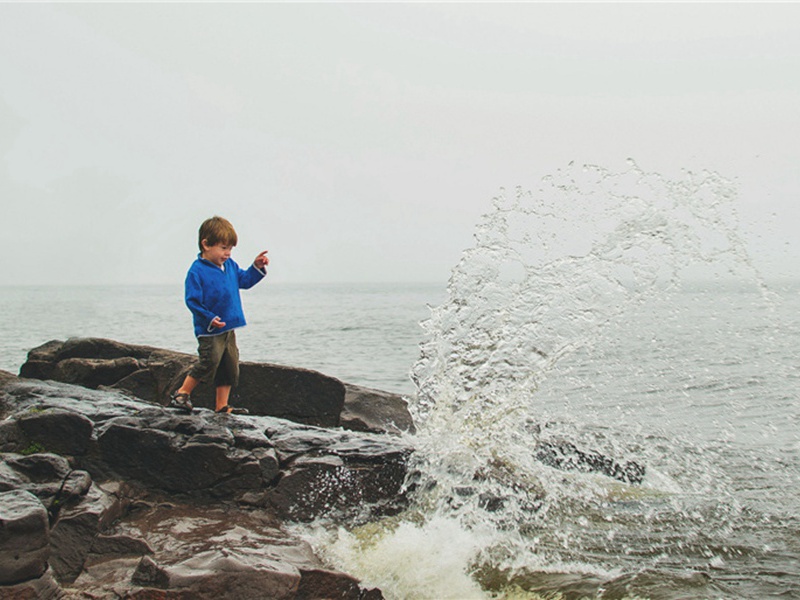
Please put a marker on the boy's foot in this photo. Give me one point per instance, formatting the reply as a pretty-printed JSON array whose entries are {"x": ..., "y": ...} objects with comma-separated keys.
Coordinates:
[
  {"x": 181, "y": 400},
  {"x": 232, "y": 410}
]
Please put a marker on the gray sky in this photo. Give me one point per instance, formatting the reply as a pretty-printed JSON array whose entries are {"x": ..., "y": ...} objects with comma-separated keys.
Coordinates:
[{"x": 361, "y": 142}]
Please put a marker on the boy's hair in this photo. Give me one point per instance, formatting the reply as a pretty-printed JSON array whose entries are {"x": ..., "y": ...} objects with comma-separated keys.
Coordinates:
[{"x": 217, "y": 230}]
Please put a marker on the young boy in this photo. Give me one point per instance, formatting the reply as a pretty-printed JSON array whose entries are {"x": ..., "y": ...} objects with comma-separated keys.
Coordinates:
[{"x": 212, "y": 295}]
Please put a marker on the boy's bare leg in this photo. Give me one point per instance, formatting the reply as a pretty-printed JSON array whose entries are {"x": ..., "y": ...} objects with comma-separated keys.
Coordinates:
[
  {"x": 188, "y": 385},
  {"x": 223, "y": 393}
]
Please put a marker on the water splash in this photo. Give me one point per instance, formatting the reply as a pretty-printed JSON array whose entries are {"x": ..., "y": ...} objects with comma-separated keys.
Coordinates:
[
  {"x": 550, "y": 268},
  {"x": 551, "y": 271}
]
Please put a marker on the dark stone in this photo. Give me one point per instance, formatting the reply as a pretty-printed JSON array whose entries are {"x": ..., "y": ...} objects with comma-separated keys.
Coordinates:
[
  {"x": 375, "y": 411},
  {"x": 319, "y": 583},
  {"x": 40, "y": 588},
  {"x": 24, "y": 537},
  {"x": 94, "y": 372},
  {"x": 73, "y": 535},
  {"x": 149, "y": 574},
  {"x": 568, "y": 457},
  {"x": 141, "y": 384},
  {"x": 57, "y": 430},
  {"x": 120, "y": 545},
  {"x": 99, "y": 348},
  {"x": 327, "y": 472}
]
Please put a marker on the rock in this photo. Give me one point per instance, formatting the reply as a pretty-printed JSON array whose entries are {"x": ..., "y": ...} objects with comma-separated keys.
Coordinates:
[
  {"x": 56, "y": 430},
  {"x": 94, "y": 372},
  {"x": 73, "y": 534},
  {"x": 47, "y": 476},
  {"x": 180, "y": 453},
  {"x": 326, "y": 472},
  {"x": 319, "y": 583},
  {"x": 298, "y": 395},
  {"x": 568, "y": 457},
  {"x": 151, "y": 374},
  {"x": 119, "y": 545},
  {"x": 40, "y": 588},
  {"x": 6, "y": 378},
  {"x": 375, "y": 411},
  {"x": 24, "y": 537},
  {"x": 233, "y": 477},
  {"x": 232, "y": 554}
]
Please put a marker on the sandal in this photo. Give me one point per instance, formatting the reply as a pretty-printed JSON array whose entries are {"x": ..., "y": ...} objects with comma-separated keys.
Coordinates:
[
  {"x": 232, "y": 410},
  {"x": 181, "y": 400}
]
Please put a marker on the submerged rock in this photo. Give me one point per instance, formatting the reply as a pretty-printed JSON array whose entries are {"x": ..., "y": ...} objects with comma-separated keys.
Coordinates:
[{"x": 567, "y": 456}]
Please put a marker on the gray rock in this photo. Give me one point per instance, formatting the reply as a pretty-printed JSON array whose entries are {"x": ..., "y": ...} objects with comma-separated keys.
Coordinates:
[
  {"x": 56, "y": 430},
  {"x": 73, "y": 534},
  {"x": 375, "y": 411},
  {"x": 24, "y": 537}
]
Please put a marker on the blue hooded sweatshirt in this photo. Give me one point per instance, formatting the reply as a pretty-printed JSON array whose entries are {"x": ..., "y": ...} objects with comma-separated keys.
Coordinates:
[{"x": 212, "y": 291}]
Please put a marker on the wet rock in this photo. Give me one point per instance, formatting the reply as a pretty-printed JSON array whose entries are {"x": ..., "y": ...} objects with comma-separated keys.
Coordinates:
[
  {"x": 5, "y": 378},
  {"x": 326, "y": 472},
  {"x": 319, "y": 583},
  {"x": 100, "y": 541},
  {"x": 47, "y": 476},
  {"x": 119, "y": 545},
  {"x": 151, "y": 374},
  {"x": 56, "y": 430},
  {"x": 40, "y": 588},
  {"x": 375, "y": 411},
  {"x": 94, "y": 372},
  {"x": 228, "y": 553},
  {"x": 73, "y": 535},
  {"x": 568, "y": 457},
  {"x": 24, "y": 537},
  {"x": 182, "y": 453}
]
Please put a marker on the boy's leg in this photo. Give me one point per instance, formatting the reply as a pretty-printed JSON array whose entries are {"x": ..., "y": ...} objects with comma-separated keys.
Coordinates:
[
  {"x": 188, "y": 385},
  {"x": 210, "y": 350},
  {"x": 228, "y": 372},
  {"x": 223, "y": 393}
]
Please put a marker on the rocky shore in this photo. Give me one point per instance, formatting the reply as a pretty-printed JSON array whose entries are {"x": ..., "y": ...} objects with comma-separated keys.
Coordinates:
[{"x": 107, "y": 493}]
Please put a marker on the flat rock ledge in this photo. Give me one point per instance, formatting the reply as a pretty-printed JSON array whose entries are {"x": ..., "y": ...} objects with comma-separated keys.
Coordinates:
[
  {"x": 152, "y": 374},
  {"x": 106, "y": 493}
]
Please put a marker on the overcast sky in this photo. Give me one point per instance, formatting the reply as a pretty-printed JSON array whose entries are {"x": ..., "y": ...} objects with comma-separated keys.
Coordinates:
[{"x": 362, "y": 142}]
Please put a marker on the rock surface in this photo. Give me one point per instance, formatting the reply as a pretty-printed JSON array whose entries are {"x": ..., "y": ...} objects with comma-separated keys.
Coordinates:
[{"x": 108, "y": 496}]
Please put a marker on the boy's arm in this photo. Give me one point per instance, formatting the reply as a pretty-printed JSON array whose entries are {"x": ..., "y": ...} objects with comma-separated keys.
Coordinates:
[{"x": 251, "y": 276}]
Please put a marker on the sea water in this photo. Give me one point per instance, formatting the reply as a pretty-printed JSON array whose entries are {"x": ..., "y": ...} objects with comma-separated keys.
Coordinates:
[{"x": 616, "y": 311}]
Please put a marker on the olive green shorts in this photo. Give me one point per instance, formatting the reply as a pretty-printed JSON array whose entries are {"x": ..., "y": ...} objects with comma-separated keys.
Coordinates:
[{"x": 219, "y": 359}]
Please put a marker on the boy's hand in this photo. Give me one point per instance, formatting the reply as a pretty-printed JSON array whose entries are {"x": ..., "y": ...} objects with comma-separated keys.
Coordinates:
[
  {"x": 262, "y": 260},
  {"x": 217, "y": 322}
]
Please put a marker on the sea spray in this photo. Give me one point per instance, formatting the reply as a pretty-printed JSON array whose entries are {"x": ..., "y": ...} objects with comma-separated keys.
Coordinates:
[{"x": 552, "y": 271}]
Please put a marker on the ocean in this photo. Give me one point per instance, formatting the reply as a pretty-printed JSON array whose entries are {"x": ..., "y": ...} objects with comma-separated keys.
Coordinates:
[{"x": 615, "y": 313}]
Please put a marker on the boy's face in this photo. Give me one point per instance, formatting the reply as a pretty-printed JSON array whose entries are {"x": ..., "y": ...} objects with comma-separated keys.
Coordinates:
[{"x": 217, "y": 254}]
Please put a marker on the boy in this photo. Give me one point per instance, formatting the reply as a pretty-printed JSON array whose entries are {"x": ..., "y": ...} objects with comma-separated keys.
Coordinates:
[{"x": 212, "y": 295}]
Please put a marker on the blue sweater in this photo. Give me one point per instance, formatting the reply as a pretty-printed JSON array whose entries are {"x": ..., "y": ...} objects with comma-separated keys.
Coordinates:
[{"x": 214, "y": 292}]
